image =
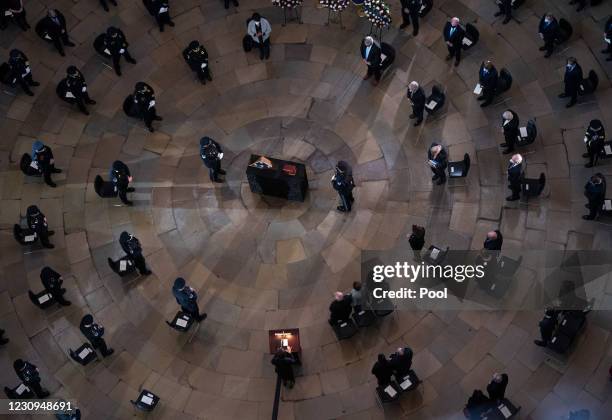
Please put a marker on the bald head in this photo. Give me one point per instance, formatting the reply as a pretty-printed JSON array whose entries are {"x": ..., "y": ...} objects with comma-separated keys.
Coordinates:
[
  {"x": 492, "y": 234},
  {"x": 455, "y": 21},
  {"x": 507, "y": 115},
  {"x": 517, "y": 158},
  {"x": 338, "y": 296}
]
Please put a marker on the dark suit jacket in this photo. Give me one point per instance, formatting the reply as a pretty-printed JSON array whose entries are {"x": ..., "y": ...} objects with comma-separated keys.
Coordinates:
[
  {"x": 115, "y": 45},
  {"x": 46, "y": 26},
  {"x": 515, "y": 173},
  {"x": 595, "y": 139},
  {"x": 413, "y": 6},
  {"x": 494, "y": 244},
  {"x": 550, "y": 31},
  {"x": 374, "y": 57},
  {"x": 50, "y": 278},
  {"x": 340, "y": 310},
  {"x": 488, "y": 80},
  {"x": 572, "y": 78},
  {"x": 417, "y": 98},
  {"x": 497, "y": 390},
  {"x": 595, "y": 193},
  {"x": 401, "y": 364},
  {"x": 457, "y": 36},
  {"x": 383, "y": 372},
  {"x": 511, "y": 128},
  {"x": 441, "y": 159}
]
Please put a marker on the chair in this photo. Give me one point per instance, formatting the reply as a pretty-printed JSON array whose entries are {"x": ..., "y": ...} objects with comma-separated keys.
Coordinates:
[
  {"x": 565, "y": 31},
  {"x": 345, "y": 329},
  {"x": 130, "y": 108},
  {"x": 589, "y": 85},
  {"x": 532, "y": 187},
  {"x": 504, "y": 81},
  {"x": 387, "y": 56},
  {"x": 83, "y": 355},
  {"x": 527, "y": 134},
  {"x": 182, "y": 322},
  {"x": 20, "y": 392},
  {"x": 508, "y": 267},
  {"x": 435, "y": 255},
  {"x": 364, "y": 318},
  {"x": 25, "y": 164},
  {"x": 460, "y": 168},
  {"x": 387, "y": 394},
  {"x": 607, "y": 150},
  {"x": 42, "y": 299},
  {"x": 146, "y": 401},
  {"x": 606, "y": 208},
  {"x": 5, "y": 75},
  {"x": 408, "y": 382},
  {"x": 122, "y": 266},
  {"x": 436, "y": 100},
  {"x": 382, "y": 307},
  {"x": 426, "y": 6},
  {"x": 471, "y": 37},
  {"x": 24, "y": 236},
  {"x": 104, "y": 189}
]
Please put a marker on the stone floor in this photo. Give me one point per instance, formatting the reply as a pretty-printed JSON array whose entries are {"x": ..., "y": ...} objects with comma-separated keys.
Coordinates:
[{"x": 260, "y": 263}]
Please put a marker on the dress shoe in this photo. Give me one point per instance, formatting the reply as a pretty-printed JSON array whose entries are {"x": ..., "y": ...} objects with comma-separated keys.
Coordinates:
[
  {"x": 433, "y": 178},
  {"x": 412, "y": 116},
  {"x": 485, "y": 104},
  {"x": 562, "y": 95},
  {"x": 91, "y": 102},
  {"x": 108, "y": 352},
  {"x": 217, "y": 180},
  {"x": 56, "y": 171},
  {"x": 52, "y": 184},
  {"x": 588, "y": 217},
  {"x": 70, "y": 44},
  {"x": 171, "y": 24},
  {"x": 588, "y": 165},
  {"x": 570, "y": 104},
  {"x": 585, "y": 155},
  {"x": 29, "y": 93},
  {"x": 201, "y": 317},
  {"x": 118, "y": 71},
  {"x": 151, "y": 129},
  {"x": 604, "y": 51},
  {"x": 50, "y": 246},
  {"x": 416, "y": 124},
  {"x": 131, "y": 60},
  {"x": 33, "y": 83},
  {"x": 341, "y": 209},
  {"x": 367, "y": 76},
  {"x": 456, "y": 63},
  {"x": 415, "y": 33},
  {"x": 222, "y": 172},
  {"x": 511, "y": 198},
  {"x": 507, "y": 151},
  {"x": 547, "y": 55},
  {"x": 209, "y": 78},
  {"x": 503, "y": 144},
  {"x": 84, "y": 111},
  {"x": 146, "y": 272},
  {"x": 448, "y": 57},
  {"x": 441, "y": 181},
  {"x": 403, "y": 25},
  {"x": 539, "y": 343},
  {"x": 65, "y": 303},
  {"x": 129, "y": 203},
  {"x": 542, "y": 48},
  {"x": 498, "y": 14},
  {"x": 3, "y": 341},
  {"x": 481, "y": 98},
  {"x": 130, "y": 189},
  {"x": 62, "y": 53},
  {"x": 50, "y": 232},
  {"x": 236, "y": 3}
]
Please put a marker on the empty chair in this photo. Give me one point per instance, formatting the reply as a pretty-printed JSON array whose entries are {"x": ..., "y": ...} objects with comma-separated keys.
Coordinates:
[
  {"x": 83, "y": 355},
  {"x": 527, "y": 135},
  {"x": 565, "y": 31},
  {"x": 388, "y": 393},
  {"x": 589, "y": 85},
  {"x": 504, "y": 81},
  {"x": 436, "y": 100},
  {"x": 123, "y": 266},
  {"x": 387, "y": 56},
  {"x": 533, "y": 187},
  {"x": 146, "y": 401},
  {"x": 471, "y": 36},
  {"x": 460, "y": 168},
  {"x": 182, "y": 321},
  {"x": 42, "y": 299},
  {"x": 426, "y": 6},
  {"x": 104, "y": 189},
  {"x": 364, "y": 318},
  {"x": 435, "y": 255},
  {"x": 20, "y": 392}
]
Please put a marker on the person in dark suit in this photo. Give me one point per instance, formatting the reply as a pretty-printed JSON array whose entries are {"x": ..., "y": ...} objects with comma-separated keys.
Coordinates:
[
  {"x": 594, "y": 138},
  {"x": 547, "y": 325},
  {"x": 572, "y": 80},
  {"x": 20, "y": 71},
  {"x": 211, "y": 154},
  {"x": 3, "y": 339},
  {"x": 438, "y": 161},
  {"x": 29, "y": 375},
  {"x": 581, "y": 4},
  {"x": 410, "y": 10},
  {"x": 73, "y": 89},
  {"x": 13, "y": 9},
  {"x": 370, "y": 53},
  {"x": 382, "y": 370},
  {"x": 342, "y": 181},
  {"x": 608, "y": 39},
  {"x": 37, "y": 222},
  {"x": 549, "y": 32},
  {"x": 120, "y": 177},
  {"x": 93, "y": 332},
  {"x": 283, "y": 362},
  {"x": 477, "y": 406},
  {"x": 196, "y": 57},
  {"x": 494, "y": 241},
  {"x": 510, "y": 128},
  {"x": 487, "y": 78},
  {"x": 401, "y": 362},
  {"x": 187, "y": 298},
  {"x": 453, "y": 36},
  {"x": 515, "y": 176},
  {"x": 340, "y": 309},
  {"x": 105, "y": 5},
  {"x": 416, "y": 95},
  {"x": 159, "y": 9},
  {"x": 52, "y": 28},
  {"x": 595, "y": 192},
  {"x": 116, "y": 45},
  {"x": 417, "y": 238},
  {"x": 43, "y": 160},
  {"x": 52, "y": 282},
  {"x": 144, "y": 100},
  {"x": 505, "y": 9},
  {"x": 497, "y": 387},
  {"x": 131, "y": 246}
]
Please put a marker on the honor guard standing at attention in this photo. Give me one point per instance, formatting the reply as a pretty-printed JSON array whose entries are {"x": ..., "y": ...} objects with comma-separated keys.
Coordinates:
[
  {"x": 114, "y": 45},
  {"x": 342, "y": 181},
  {"x": 52, "y": 282},
  {"x": 144, "y": 99},
  {"x": 571, "y": 80},
  {"x": 411, "y": 9},
  {"x": 73, "y": 89},
  {"x": 437, "y": 160},
  {"x": 42, "y": 159},
  {"x": 15, "y": 10},
  {"x": 453, "y": 36},
  {"x": 259, "y": 29},
  {"x": 196, "y": 57},
  {"x": 505, "y": 9},
  {"x": 52, "y": 28},
  {"x": 594, "y": 139},
  {"x": 416, "y": 95},
  {"x": 93, "y": 332},
  {"x": 37, "y": 223},
  {"x": 120, "y": 177},
  {"x": 487, "y": 78},
  {"x": 187, "y": 298},
  {"x": 20, "y": 71},
  {"x": 131, "y": 246},
  {"x": 595, "y": 192},
  {"x": 515, "y": 176},
  {"x": 159, "y": 9},
  {"x": 105, "y": 6},
  {"x": 608, "y": 39},
  {"x": 29, "y": 375},
  {"x": 370, "y": 53},
  {"x": 510, "y": 128},
  {"x": 549, "y": 32},
  {"x": 211, "y": 154}
]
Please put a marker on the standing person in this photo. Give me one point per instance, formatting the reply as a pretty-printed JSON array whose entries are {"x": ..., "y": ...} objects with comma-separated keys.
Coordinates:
[
  {"x": 608, "y": 39},
  {"x": 411, "y": 9},
  {"x": 187, "y": 298},
  {"x": 437, "y": 160},
  {"x": 453, "y": 36},
  {"x": 114, "y": 44},
  {"x": 487, "y": 77},
  {"x": 595, "y": 192},
  {"x": 196, "y": 57},
  {"x": 572, "y": 80},
  {"x": 382, "y": 370},
  {"x": 356, "y": 296},
  {"x": 283, "y": 362},
  {"x": 416, "y": 95},
  {"x": 29, "y": 375},
  {"x": 511, "y": 130},
  {"x": 37, "y": 223},
  {"x": 505, "y": 9},
  {"x": 370, "y": 53},
  {"x": 594, "y": 138},
  {"x": 14, "y": 9},
  {"x": 52, "y": 28},
  {"x": 515, "y": 176},
  {"x": 497, "y": 387},
  {"x": 211, "y": 154},
  {"x": 547, "y": 325},
  {"x": 340, "y": 309},
  {"x": 144, "y": 99},
  {"x": 417, "y": 241},
  {"x": 105, "y": 6},
  {"x": 259, "y": 29},
  {"x": 52, "y": 282},
  {"x": 131, "y": 246},
  {"x": 43, "y": 160},
  {"x": 73, "y": 89},
  {"x": 159, "y": 9},
  {"x": 401, "y": 362},
  {"x": 20, "y": 71},
  {"x": 342, "y": 181},
  {"x": 549, "y": 32},
  {"x": 93, "y": 332},
  {"x": 493, "y": 241},
  {"x": 120, "y": 177}
]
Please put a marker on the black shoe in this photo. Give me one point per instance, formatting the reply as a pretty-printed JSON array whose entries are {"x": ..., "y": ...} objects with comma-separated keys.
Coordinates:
[
  {"x": 62, "y": 53},
  {"x": 341, "y": 209},
  {"x": 105, "y": 7},
  {"x": 403, "y": 25},
  {"x": 412, "y": 116},
  {"x": 161, "y": 29},
  {"x": 33, "y": 83},
  {"x": 448, "y": 57},
  {"x": 111, "y": 263},
  {"x": 45, "y": 394},
  {"x": 498, "y": 14},
  {"x": 201, "y": 317},
  {"x": 50, "y": 232},
  {"x": 588, "y": 217},
  {"x": 209, "y": 78},
  {"x": 131, "y": 60},
  {"x": 157, "y": 118},
  {"x": 416, "y": 124},
  {"x": 29, "y": 92},
  {"x": 539, "y": 343},
  {"x": 441, "y": 181},
  {"x": 588, "y": 165},
  {"x": 52, "y": 184},
  {"x": 217, "y": 180},
  {"x": 481, "y": 98},
  {"x": 50, "y": 246},
  {"x": 129, "y": 203},
  {"x": 236, "y": 3},
  {"x": 512, "y": 198},
  {"x": 91, "y": 102},
  {"x": 542, "y": 48},
  {"x": 70, "y": 44},
  {"x": 503, "y": 144},
  {"x": 585, "y": 155},
  {"x": 506, "y": 21},
  {"x": 433, "y": 178},
  {"x": 108, "y": 353},
  {"x": 507, "y": 151},
  {"x": 548, "y": 54},
  {"x": 415, "y": 33},
  {"x": 146, "y": 272},
  {"x": 56, "y": 171},
  {"x": 485, "y": 104},
  {"x": 570, "y": 104},
  {"x": 118, "y": 71},
  {"x": 456, "y": 63},
  {"x": 130, "y": 189},
  {"x": 84, "y": 111},
  {"x": 3, "y": 341},
  {"x": 151, "y": 129},
  {"x": 65, "y": 303},
  {"x": 222, "y": 172}
]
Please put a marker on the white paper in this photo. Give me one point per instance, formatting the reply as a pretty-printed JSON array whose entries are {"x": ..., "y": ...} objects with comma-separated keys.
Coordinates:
[
  {"x": 478, "y": 89},
  {"x": 505, "y": 411},
  {"x": 382, "y": 57},
  {"x": 467, "y": 42},
  {"x": 431, "y": 104},
  {"x": 121, "y": 51},
  {"x": 163, "y": 10},
  {"x": 586, "y": 139},
  {"x": 21, "y": 388},
  {"x": 122, "y": 265},
  {"x": 361, "y": 312},
  {"x": 29, "y": 238},
  {"x": 106, "y": 51},
  {"x": 44, "y": 298},
  {"x": 608, "y": 149},
  {"x": 34, "y": 164},
  {"x": 220, "y": 155},
  {"x": 607, "y": 40},
  {"x": 84, "y": 89},
  {"x": 83, "y": 354},
  {"x": 526, "y": 187},
  {"x": 344, "y": 324},
  {"x": 27, "y": 70},
  {"x": 69, "y": 95},
  {"x": 181, "y": 322},
  {"x": 406, "y": 384},
  {"x": 284, "y": 342},
  {"x": 607, "y": 205},
  {"x": 422, "y": 8},
  {"x": 434, "y": 253},
  {"x": 554, "y": 339},
  {"x": 523, "y": 131},
  {"x": 8, "y": 13},
  {"x": 204, "y": 65},
  {"x": 151, "y": 104},
  {"x": 452, "y": 169},
  {"x": 47, "y": 36},
  {"x": 390, "y": 391},
  {"x": 146, "y": 399}
]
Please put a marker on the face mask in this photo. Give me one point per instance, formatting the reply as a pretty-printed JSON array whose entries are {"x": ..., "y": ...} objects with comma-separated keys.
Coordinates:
[{"x": 569, "y": 66}]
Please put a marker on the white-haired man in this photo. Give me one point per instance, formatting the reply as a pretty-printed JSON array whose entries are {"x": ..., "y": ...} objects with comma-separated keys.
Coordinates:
[
  {"x": 416, "y": 95},
  {"x": 370, "y": 53},
  {"x": 510, "y": 128},
  {"x": 453, "y": 36},
  {"x": 515, "y": 175}
]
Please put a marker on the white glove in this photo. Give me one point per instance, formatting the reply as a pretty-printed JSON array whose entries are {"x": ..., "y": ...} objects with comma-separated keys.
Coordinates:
[
  {"x": 69, "y": 95},
  {"x": 84, "y": 89},
  {"x": 163, "y": 10},
  {"x": 151, "y": 104},
  {"x": 204, "y": 65},
  {"x": 121, "y": 51}
]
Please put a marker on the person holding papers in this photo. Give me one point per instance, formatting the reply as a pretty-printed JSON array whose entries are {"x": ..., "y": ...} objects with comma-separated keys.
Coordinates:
[
  {"x": 608, "y": 39},
  {"x": 595, "y": 192},
  {"x": 15, "y": 10},
  {"x": 187, "y": 298},
  {"x": 131, "y": 246},
  {"x": 121, "y": 177},
  {"x": 211, "y": 154},
  {"x": 371, "y": 55},
  {"x": 52, "y": 28},
  {"x": 73, "y": 89},
  {"x": 37, "y": 223},
  {"x": 93, "y": 332},
  {"x": 515, "y": 176},
  {"x": 144, "y": 104},
  {"x": 594, "y": 140},
  {"x": 487, "y": 83},
  {"x": 510, "y": 128},
  {"x": 20, "y": 71},
  {"x": 416, "y": 96},
  {"x": 159, "y": 10},
  {"x": 383, "y": 371},
  {"x": 44, "y": 162},
  {"x": 259, "y": 30},
  {"x": 113, "y": 44},
  {"x": 437, "y": 160},
  {"x": 453, "y": 36},
  {"x": 196, "y": 57}
]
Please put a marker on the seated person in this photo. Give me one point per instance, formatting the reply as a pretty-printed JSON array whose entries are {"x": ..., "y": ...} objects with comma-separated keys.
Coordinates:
[
  {"x": 340, "y": 309},
  {"x": 401, "y": 362},
  {"x": 382, "y": 370},
  {"x": 497, "y": 387},
  {"x": 477, "y": 404},
  {"x": 548, "y": 324},
  {"x": 52, "y": 282}
]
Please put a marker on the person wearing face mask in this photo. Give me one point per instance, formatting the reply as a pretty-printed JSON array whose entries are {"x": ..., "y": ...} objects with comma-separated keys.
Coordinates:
[
  {"x": 52, "y": 28},
  {"x": 187, "y": 298},
  {"x": 487, "y": 77},
  {"x": 510, "y": 128},
  {"x": 595, "y": 192},
  {"x": 52, "y": 282},
  {"x": 416, "y": 96},
  {"x": 73, "y": 89},
  {"x": 608, "y": 39},
  {"x": 594, "y": 139},
  {"x": 515, "y": 176},
  {"x": 37, "y": 223},
  {"x": 159, "y": 9},
  {"x": 410, "y": 11},
  {"x": 370, "y": 53},
  {"x": 549, "y": 32},
  {"x": 29, "y": 375},
  {"x": 437, "y": 160},
  {"x": 259, "y": 30},
  {"x": 572, "y": 80},
  {"x": 196, "y": 57},
  {"x": 20, "y": 71},
  {"x": 94, "y": 332},
  {"x": 113, "y": 44},
  {"x": 120, "y": 177},
  {"x": 211, "y": 154},
  {"x": 453, "y": 36},
  {"x": 505, "y": 9},
  {"x": 342, "y": 181},
  {"x": 44, "y": 162}
]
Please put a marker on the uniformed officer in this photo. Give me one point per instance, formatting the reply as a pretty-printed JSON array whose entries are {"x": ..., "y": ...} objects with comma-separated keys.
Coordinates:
[
  {"x": 144, "y": 99},
  {"x": 211, "y": 154},
  {"x": 37, "y": 222},
  {"x": 505, "y": 8},
  {"x": 187, "y": 298},
  {"x": 196, "y": 57},
  {"x": 487, "y": 78},
  {"x": 105, "y": 6},
  {"x": 572, "y": 80},
  {"x": 549, "y": 32},
  {"x": 515, "y": 176},
  {"x": 608, "y": 39},
  {"x": 29, "y": 375},
  {"x": 20, "y": 71},
  {"x": 159, "y": 10},
  {"x": 411, "y": 9},
  {"x": 510, "y": 128},
  {"x": 52, "y": 282},
  {"x": 43, "y": 161},
  {"x": 114, "y": 44},
  {"x": 131, "y": 246},
  {"x": 342, "y": 181},
  {"x": 120, "y": 177},
  {"x": 73, "y": 89},
  {"x": 594, "y": 138},
  {"x": 416, "y": 95},
  {"x": 93, "y": 332},
  {"x": 13, "y": 9},
  {"x": 595, "y": 192},
  {"x": 52, "y": 28},
  {"x": 438, "y": 161}
]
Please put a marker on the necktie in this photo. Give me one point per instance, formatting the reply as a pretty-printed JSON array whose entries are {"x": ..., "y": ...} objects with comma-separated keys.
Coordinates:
[{"x": 452, "y": 30}]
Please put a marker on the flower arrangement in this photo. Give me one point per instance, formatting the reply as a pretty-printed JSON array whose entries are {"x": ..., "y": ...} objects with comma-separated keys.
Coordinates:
[
  {"x": 335, "y": 5},
  {"x": 287, "y": 4},
  {"x": 377, "y": 12}
]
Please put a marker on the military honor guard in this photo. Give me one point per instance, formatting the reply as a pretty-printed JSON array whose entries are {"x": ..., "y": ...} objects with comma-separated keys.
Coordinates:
[{"x": 73, "y": 89}]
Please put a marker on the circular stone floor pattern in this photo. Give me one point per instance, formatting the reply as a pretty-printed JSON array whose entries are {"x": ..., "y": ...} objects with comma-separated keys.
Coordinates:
[{"x": 260, "y": 263}]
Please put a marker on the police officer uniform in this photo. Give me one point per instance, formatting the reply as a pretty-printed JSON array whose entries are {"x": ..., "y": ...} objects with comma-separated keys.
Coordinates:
[
  {"x": 43, "y": 161},
  {"x": 411, "y": 9},
  {"x": 515, "y": 175},
  {"x": 131, "y": 246},
  {"x": 196, "y": 57},
  {"x": 144, "y": 100},
  {"x": 510, "y": 127},
  {"x": 417, "y": 99},
  {"x": 549, "y": 32},
  {"x": 73, "y": 89},
  {"x": 211, "y": 154},
  {"x": 487, "y": 78},
  {"x": 159, "y": 10},
  {"x": 342, "y": 181},
  {"x": 28, "y": 374},
  {"x": 52, "y": 28},
  {"x": 505, "y": 8},
  {"x": 37, "y": 222},
  {"x": 438, "y": 163},
  {"x": 20, "y": 71},
  {"x": 594, "y": 138},
  {"x": 595, "y": 192},
  {"x": 113, "y": 44},
  {"x": 93, "y": 332},
  {"x": 120, "y": 177},
  {"x": 572, "y": 80},
  {"x": 52, "y": 282},
  {"x": 187, "y": 298}
]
